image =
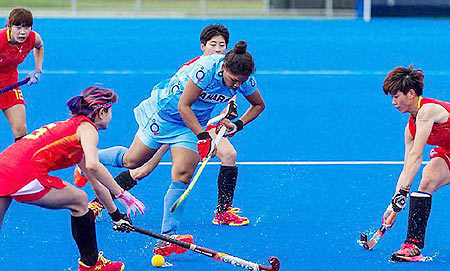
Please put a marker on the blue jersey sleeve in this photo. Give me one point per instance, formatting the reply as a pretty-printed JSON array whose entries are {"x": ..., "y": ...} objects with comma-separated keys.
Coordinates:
[
  {"x": 249, "y": 86},
  {"x": 202, "y": 72}
]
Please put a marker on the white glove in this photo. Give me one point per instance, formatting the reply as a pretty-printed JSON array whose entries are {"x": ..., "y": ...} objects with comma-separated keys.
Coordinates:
[{"x": 131, "y": 203}]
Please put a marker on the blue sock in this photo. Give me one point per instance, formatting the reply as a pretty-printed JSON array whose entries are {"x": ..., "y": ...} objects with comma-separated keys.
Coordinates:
[
  {"x": 112, "y": 156},
  {"x": 171, "y": 221}
]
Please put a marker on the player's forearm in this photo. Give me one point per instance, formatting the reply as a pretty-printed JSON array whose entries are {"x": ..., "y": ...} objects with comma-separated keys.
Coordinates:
[
  {"x": 252, "y": 113},
  {"x": 104, "y": 177},
  {"x": 190, "y": 119},
  {"x": 38, "y": 57},
  {"x": 104, "y": 196},
  {"x": 410, "y": 170}
]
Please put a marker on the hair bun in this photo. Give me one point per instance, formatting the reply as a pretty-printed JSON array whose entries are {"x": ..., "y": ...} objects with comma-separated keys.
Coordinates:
[{"x": 240, "y": 47}]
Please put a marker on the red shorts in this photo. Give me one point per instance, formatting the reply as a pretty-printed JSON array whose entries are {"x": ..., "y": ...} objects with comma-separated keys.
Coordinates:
[
  {"x": 37, "y": 188},
  {"x": 442, "y": 153},
  {"x": 11, "y": 98}
]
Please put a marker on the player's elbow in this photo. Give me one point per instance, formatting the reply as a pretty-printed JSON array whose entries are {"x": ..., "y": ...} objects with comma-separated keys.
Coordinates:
[
  {"x": 183, "y": 108},
  {"x": 93, "y": 167},
  {"x": 262, "y": 106}
]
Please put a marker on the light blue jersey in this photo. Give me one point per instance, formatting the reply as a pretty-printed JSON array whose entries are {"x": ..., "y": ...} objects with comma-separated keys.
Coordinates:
[
  {"x": 158, "y": 117},
  {"x": 206, "y": 73}
]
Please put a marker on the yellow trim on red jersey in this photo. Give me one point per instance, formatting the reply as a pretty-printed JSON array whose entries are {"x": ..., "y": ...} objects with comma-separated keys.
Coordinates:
[
  {"x": 66, "y": 138},
  {"x": 8, "y": 36},
  {"x": 418, "y": 102}
]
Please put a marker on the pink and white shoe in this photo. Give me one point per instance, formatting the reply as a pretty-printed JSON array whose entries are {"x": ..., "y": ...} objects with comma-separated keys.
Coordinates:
[{"x": 408, "y": 253}]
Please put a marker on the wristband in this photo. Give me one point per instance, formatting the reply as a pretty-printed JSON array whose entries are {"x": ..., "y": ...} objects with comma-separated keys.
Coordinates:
[
  {"x": 203, "y": 136},
  {"x": 239, "y": 125},
  {"x": 115, "y": 216}
]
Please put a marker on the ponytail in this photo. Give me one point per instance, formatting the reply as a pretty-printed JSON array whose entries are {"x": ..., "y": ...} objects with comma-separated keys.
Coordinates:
[{"x": 238, "y": 61}]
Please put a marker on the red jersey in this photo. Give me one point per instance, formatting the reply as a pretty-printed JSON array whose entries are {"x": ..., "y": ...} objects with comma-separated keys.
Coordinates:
[
  {"x": 440, "y": 133},
  {"x": 51, "y": 147},
  {"x": 190, "y": 62},
  {"x": 12, "y": 55}
]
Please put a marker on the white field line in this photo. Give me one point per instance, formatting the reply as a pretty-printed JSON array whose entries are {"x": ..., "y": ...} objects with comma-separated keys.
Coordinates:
[{"x": 308, "y": 163}]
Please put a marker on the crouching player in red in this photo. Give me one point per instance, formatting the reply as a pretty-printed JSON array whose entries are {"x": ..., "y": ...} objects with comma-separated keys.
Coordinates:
[
  {"x": 429, "y": 123},
  {"x": 24, "y": 168}
]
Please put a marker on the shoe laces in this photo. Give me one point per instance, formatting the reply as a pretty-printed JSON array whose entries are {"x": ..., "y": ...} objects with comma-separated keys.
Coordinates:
[
  {"x": 234, "y": 210},
  {"x": 103, "y": 259},
  {"x": 407, "y": 248},
  {"x": 95, "y": 206}
]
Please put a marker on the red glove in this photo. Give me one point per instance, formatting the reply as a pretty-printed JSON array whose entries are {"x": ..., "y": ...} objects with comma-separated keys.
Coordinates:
[
  {"x": 232, "y": 127},
  {"x": 205, "y": 145}
]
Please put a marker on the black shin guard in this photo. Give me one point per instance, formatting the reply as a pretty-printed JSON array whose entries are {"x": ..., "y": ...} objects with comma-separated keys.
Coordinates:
[
  {"x": 226, "y": 184},
  {"x": 83, "y": 231},
  {"x": 419, "y": 211}
]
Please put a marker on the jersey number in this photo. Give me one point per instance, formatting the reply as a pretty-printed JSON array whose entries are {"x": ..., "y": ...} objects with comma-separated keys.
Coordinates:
[
  {"x": 36, "y": 134},
  {"x": 18, "y": 93}
]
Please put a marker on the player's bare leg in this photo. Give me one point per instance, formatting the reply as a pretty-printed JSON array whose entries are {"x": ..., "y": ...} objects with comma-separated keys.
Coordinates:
[
  {"x": 16, "y": 117},
  {"x": 137, "y": 154},
  {"x": 83, "y": 226},
  {"x": 4, "y": 204}
]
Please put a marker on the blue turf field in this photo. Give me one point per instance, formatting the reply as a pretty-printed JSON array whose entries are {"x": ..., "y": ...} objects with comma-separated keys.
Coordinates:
[{"x": 321, "y": 81}]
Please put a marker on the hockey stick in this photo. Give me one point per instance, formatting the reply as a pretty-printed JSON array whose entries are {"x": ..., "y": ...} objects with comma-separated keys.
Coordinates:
[
  {"x": 368, "y": 245},
  {"x": 274, "y": 262},
  {"x": 18, "y": 84},
  {"x": 199, "y": 172},
  {"x": 216, "y": 119}
]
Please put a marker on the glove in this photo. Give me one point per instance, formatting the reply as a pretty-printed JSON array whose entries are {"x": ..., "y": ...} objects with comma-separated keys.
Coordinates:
[
  {"x": 131, "y": 203},
  {"x": 386, "y": 215},
  {"x": 34, "y": 76},
  {"x": 121, "y": 221},
  {"x": 232, "y": 127},
  {"x": 232, "y": 112},
  {"x": 398, "y": 203},
  {"x": 205, "y": 145},
  {"x": 399, "y": 200}
]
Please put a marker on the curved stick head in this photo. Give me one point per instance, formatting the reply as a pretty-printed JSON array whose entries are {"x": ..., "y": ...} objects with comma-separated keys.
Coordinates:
[{"x": 275, "y": 263}]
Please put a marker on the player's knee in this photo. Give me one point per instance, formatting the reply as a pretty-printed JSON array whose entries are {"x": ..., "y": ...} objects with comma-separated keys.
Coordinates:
[
  {"x": 80, "y": 202},
  {"x": 131, "y": 162},
  {"x": 427, "y": 185},
  {"x": 182, "y": 176},
  {"x": 228, "y": 156}
]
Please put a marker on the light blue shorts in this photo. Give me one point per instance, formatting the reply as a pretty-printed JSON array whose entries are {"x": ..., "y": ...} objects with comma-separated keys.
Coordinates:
[{"x": 155, "y": 131}]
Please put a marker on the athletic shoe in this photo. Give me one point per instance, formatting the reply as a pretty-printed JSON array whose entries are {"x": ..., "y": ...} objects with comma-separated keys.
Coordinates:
[
  {"x": 230, "y": 217},
  {"x": 408, "y": 253},
  {"x": 78, "y": 177},
  {"x": 101, "y": 265},
  {"x": 96, "y": 206},
  {"x": 165, "y": 248}
]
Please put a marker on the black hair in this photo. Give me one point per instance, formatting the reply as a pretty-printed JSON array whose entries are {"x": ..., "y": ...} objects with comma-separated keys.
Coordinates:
[
  {"x": 20, "y": 17},
  {"x": 238, "y": 61},
  {"x": 212, "y": 31},
  {"x": 403, "y": 79}
]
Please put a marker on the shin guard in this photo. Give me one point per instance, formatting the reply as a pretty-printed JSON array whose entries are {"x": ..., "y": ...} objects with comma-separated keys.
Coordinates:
[
  {"x": 83, "y": 231},
  {"x": 419, "y": 211}
]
